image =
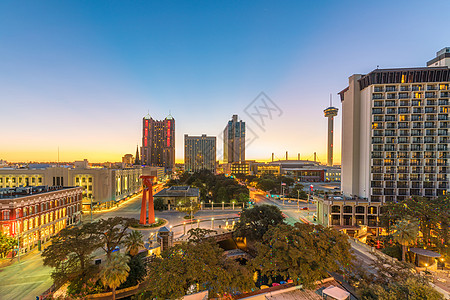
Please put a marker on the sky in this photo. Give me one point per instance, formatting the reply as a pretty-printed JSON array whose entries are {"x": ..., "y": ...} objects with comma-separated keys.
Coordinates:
[{"x": 81, "y": 75}]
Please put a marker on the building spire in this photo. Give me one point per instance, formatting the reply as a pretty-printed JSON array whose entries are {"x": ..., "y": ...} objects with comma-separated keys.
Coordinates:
[{"x": 136, "y": 160}]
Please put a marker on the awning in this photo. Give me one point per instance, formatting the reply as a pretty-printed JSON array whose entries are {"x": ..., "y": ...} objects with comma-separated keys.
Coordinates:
[
  {"x": 425, "y": 252},
  {"x": 336, "y": 293}
]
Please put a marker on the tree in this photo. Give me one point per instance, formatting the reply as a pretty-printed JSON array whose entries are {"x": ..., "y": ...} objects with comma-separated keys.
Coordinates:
[
  {"x": 380, "y": 285},
  {"x": 111, "y": 232},
  {"x": 222, "y": 194},
  {"x": 115, "y": 272},
  {"x": 433, "y": 216},
  {"x": 158, "y": 204},
  {"x": 133, "y": 241},
  {"x": 191, "y": 267},
  {"x": 304, "y": 253},
  {"x": 254, "y": 222},
  {"x": 198, "y": 234},
  {"x": 138, "y": 270},
  {"x": 266, "y": 185},
  {"x": 7, "y": 243},
  {"x": 70, "y": 253},
  {"x": 405, "y": 233}
]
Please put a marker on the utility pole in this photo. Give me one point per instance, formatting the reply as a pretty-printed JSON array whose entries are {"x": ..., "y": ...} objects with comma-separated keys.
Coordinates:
[{"x": 298, "y": 200}]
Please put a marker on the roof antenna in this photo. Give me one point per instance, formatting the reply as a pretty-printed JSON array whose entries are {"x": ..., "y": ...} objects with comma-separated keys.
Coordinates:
[{"x": 331, "y": 100}]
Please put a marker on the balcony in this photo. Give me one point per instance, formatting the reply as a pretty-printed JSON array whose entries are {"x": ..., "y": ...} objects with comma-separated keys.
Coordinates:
[
  {"x": 445, "y": 94},
  {"x": 403, "y": 95},
  {"x": 391, "y": 96},
  {"x": 443, "y": 117},
  {"x": 443, "y": 102},
  {"x": 377, "y": 111},
  {"x": 430, "y": 95},
  {"x": 377, "y": 96}
]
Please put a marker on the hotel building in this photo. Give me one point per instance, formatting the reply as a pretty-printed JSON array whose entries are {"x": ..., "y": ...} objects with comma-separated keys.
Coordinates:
[
  {"x": 199, "y": 153},
  {"x": 395, "y": 132},
  {"x": 37, "y": 213},
  {"x": 395, "y": 142},
  {"x": 234, "y": 141},
  {"x": 158, "y": 142}
]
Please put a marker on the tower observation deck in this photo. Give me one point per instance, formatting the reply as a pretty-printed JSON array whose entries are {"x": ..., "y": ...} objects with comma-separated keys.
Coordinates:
[{"x": 330, "y": 113}]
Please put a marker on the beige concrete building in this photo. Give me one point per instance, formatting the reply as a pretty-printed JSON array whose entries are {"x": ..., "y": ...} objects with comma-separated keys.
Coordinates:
[
  {"x": 103, "y": 186},
  {"x": 395, "y": 132},
  {"x": 199, "y": 153}
]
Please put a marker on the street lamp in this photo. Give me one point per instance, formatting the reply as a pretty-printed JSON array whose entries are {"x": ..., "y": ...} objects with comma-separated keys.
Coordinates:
[
  {"x": 212, "y": 223},
  {"x": 442, "y": 263},
  {"x": 426, "y": 267}
]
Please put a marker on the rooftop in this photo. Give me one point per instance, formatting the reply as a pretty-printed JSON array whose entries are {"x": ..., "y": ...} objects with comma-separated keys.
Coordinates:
[
  {"x": 179, "y": 191},
  {"x": 17, "y": 192}
]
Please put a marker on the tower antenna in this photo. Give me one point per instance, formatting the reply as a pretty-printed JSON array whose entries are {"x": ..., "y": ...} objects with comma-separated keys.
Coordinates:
[{"x": 331, "y": 100}]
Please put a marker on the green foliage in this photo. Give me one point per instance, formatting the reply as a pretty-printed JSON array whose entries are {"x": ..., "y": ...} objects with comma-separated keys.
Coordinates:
[
  {"x": 115, "y": 272},
  {"x": 303, "y": 252},
  {"x": 433, "y": 216},
  {"x": 216, "y": 188},
  {"x": 197, "y": 234},
  {"x": 158, "y": 204},
  {"x": 110, "y": 232},
  {"x": 381, "y": 286},
  {"x": 405, "y": 233},
  {"x": 254, "y": 222},
  {"x": 137, "y": 272},
  {"x": 70, "y": 253},
  {"x": 297, "y": 191},
  {"x": 189, "y": 267},
  {"x": 7, "y": 243},
  {"x": 133, "y": 241},
  {"x": 393, "y": 251},
  {"x": 266, "y": 185}
]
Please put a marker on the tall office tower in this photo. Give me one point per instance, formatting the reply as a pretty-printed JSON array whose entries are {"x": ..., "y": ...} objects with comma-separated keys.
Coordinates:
[
  {"x": 395, "y": 132},
  {"x": 158, "y": 142},
  {"x": 199, "y": 153},
  {"x": 234, "y": 141},
  {"x": 330, "y": 113}
]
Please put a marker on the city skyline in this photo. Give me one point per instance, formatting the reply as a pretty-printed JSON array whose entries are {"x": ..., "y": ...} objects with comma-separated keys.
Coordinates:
[{"x": 80, "y": 76}]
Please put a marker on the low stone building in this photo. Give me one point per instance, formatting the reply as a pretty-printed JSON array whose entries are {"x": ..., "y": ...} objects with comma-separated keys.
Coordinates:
[{"x": 174, "y": 195}]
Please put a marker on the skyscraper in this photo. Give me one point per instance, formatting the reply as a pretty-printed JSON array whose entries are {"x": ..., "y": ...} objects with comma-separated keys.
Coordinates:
[
  {"x": 234, "y": 141},
  {"x": 158, "y": 142},
  {"x": 395, "y": 136},
  {"x": 199, "y": 153}
]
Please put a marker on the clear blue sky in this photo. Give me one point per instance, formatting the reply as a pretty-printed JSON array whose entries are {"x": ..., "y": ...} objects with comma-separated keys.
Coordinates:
[{"x": 81, "y": 74}]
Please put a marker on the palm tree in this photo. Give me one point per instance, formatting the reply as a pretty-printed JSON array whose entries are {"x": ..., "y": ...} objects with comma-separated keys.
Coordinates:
[
  {"x": 405, "y": 233},
  {"x": 115, "y": 272},
  {"x": 133, "y": 242}
]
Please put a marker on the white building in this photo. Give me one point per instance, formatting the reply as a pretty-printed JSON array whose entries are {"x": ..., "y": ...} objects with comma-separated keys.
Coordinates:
[{"x": 395, "y": 132}]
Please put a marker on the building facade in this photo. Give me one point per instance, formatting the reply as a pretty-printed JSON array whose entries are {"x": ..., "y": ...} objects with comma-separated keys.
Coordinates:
[
  {"x": 234, "y": 141},
  {"x": 37, "y": 213},
  {"x": 158, "y": 142},
  {"x": 395, "y": 132},
  {"x": 199, "y": 153},
  {"x": 103, "y": 186},
  {"x": 175, "y": 195}
]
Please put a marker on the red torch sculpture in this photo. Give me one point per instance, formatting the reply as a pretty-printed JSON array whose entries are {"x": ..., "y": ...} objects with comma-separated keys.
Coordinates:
[{"x": 147, "y": 199}]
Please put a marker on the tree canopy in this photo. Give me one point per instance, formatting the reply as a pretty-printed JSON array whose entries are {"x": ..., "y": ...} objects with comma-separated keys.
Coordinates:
[
  {"x": 196, "y": 267},
  {"x": 70, "y": 253},
  {"x": 255, "y": 222},
  {"x": 304, "y": 253},
  {"x": 407, "y": 283}
]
